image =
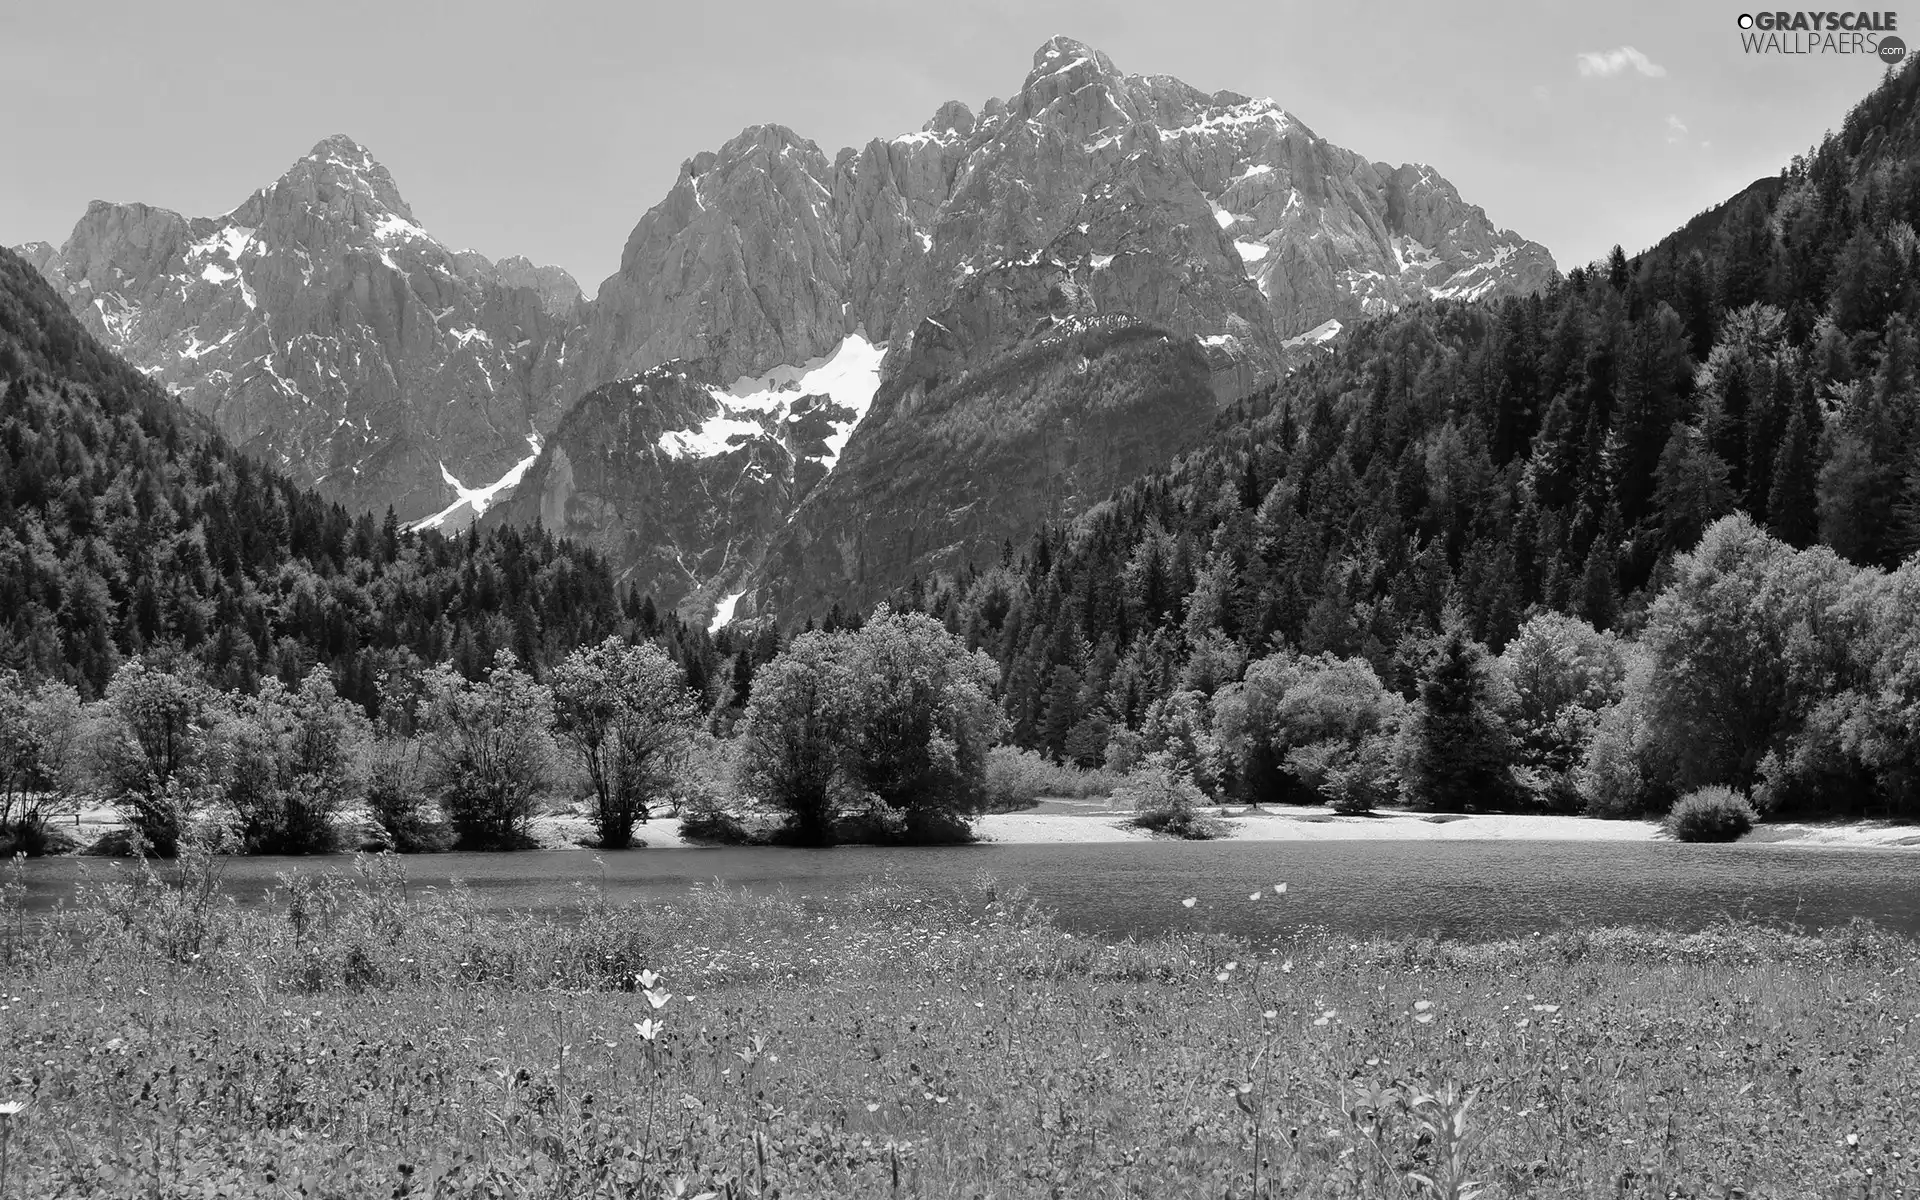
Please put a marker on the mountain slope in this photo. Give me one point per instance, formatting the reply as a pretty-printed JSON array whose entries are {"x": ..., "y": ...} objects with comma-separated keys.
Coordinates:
[
  {"x": 128, "y": 525},
  {"x": 323, "y": 330}
]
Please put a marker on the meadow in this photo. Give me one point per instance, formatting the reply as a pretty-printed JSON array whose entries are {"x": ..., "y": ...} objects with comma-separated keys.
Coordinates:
[{"x": 361, "y": 1036}]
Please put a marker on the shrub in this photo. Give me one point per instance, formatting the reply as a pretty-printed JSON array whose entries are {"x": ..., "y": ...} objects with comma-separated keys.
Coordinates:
[
  {"x": 1306, "y": 729},
  {"x": 1352, "y": 778},
  {"x": 1165, "y": 800},
  {"x": 707, "y": 819},
  {"x": 1710, "y": 814},
  {"x": 1018, "y": 778},
  {"x": 396, "y": 799}
]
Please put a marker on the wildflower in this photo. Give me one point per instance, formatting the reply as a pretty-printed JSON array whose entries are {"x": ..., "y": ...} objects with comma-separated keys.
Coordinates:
[
  {"x": 1286, "y": 967},
  {"x": 1270, "y": 1014},
  {"x": 648, "y": 979},
  {"x": 649, "y": 1028},
  {"x": 1223, "y": 976},
  {"x": 1190, "y": 901},
  {"x": 1422, "y": 1005},
  {"x": 12, "y": 1108},
  {"x": 1233, "y": 966},
  {"x": 1546, "y": 1008},
  {"x": 658, "y": 998},
  {"x": 1256, "y": 895},
  {"x": 1853, "y": 1139},
  {"x": 873, "y": 1108},
  {"x": 1279, "y": 889}
]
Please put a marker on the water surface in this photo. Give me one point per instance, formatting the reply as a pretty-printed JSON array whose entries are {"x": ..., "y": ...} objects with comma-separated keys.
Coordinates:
[{"x": 1458, "y": 888}]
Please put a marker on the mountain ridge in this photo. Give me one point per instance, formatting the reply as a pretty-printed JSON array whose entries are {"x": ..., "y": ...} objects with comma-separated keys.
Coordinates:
[{"x": 323, "y": 328}]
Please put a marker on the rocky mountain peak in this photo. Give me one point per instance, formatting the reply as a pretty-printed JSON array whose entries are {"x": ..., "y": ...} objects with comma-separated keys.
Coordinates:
[{"x": 338, "y": 165}]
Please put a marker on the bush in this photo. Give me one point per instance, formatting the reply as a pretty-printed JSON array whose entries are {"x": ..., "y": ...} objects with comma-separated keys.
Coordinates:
[
  {"x": 1165, "y": 800},
  {"x": 706, "y": 819},
  {"x": 1710, "y": 814},
  {"x": 1018, "y": 778},
  {"x": 1301, "y": 729},
  {"x": 395, "y": 799}
]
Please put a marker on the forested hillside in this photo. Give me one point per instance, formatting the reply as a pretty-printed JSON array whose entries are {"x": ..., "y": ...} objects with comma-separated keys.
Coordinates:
[
  {"x": 1470, "y": 464},
  {"x": 127, "y": 524}
]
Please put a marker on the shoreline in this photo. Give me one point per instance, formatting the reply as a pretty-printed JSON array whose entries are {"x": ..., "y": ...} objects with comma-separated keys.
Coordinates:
[{"x": 1089, "y": 822}]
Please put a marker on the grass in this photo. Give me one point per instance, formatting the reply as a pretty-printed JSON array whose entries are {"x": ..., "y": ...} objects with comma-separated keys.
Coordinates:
[{"x": 356, "y": 1037}]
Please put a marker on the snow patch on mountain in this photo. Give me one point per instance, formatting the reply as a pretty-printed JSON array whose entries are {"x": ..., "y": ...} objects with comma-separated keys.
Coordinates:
[
  {"x": 848, "y": 378},
  {"x": 1251, "y": 252},
  {"x": 1326, "y": 331},
  {"x": 392, "y": 226},
  {"x": 476, "y": 501}
]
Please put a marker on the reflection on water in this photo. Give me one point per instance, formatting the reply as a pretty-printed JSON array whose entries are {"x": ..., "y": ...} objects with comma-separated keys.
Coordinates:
[{"x": 1463, "y": 889}]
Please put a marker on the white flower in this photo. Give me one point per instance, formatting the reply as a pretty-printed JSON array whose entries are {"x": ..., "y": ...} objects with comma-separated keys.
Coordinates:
[
  {"x": 649, "y": 1028},
  {"x": 1422, "y": 1005},
  {"x": 12, "y": 1108},
  {"x": 658, "y": 998},
  {"x": 1190, "y": 901},
  {"x": 648, "y": 979},
  {"x": 1279, "y": 889}
]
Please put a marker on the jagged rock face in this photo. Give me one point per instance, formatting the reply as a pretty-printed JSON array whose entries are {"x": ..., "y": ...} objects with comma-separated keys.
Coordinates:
[
  {"x": 738, "y": 267},
  {"x": 1000, "y": 443},
  {"x": 324, "y": 330},
  {"x": 675, "y": 523},
  {"x": 682, "y": 482},
  {"x": 322, "y": 327}
]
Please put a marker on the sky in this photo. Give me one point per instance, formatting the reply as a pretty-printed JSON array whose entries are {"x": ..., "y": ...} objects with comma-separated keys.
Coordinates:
[{"x": 548, "y": 129}]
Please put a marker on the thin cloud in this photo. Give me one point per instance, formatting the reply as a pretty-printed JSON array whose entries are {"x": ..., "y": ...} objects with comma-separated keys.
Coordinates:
[
  {"x": 1605, "y": 64},
  {"x": 1676, "y": 130}
]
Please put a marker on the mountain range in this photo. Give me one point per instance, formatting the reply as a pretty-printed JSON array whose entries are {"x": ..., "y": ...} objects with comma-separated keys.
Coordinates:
[{"x": 810, "y": 379}]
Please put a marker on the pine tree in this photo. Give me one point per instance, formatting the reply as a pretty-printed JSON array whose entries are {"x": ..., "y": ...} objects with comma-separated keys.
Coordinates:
[{"x": 1458, "y": 749}]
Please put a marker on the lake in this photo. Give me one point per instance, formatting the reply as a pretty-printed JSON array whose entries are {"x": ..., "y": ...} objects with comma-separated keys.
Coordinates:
[{"x": 1463, "y": 889}]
